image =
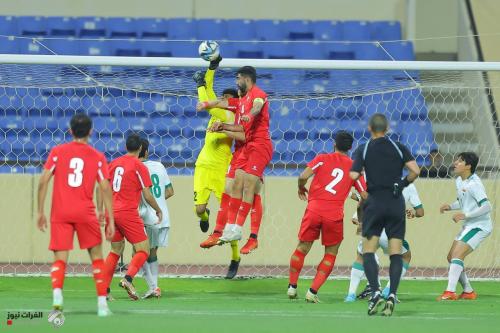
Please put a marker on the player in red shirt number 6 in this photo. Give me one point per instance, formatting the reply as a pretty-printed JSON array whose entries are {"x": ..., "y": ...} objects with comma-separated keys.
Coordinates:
[
  {"x": 130, "y": 177},
  {"x": 325, "y": 211},
  {"x": 76, "y": 167}
]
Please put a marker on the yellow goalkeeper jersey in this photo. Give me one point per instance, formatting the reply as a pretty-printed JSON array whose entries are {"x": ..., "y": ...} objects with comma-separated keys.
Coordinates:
[{"x": 216, "y": 152}]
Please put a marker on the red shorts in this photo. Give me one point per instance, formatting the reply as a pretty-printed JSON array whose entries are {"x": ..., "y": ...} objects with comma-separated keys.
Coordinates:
[
  {"x": 61, "y": 235},
  {"x": 332, "y": 232},
  {"x": 254, "y": 158},
  {"x": 130, "y": 226}
]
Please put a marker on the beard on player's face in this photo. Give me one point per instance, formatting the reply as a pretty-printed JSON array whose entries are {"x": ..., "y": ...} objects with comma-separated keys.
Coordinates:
[{"x": 242, "y": 86}]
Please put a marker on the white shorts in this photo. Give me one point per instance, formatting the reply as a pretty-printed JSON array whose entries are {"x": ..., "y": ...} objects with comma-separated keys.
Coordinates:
[
  {"x": 472, "y": 236},
  {"x": 158, "y": 237},
  {"x": 383, "y": 244}
]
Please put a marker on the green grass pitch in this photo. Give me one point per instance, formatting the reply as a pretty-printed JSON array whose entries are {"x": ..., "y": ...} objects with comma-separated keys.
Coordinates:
[{"x": 252, "y": 305}]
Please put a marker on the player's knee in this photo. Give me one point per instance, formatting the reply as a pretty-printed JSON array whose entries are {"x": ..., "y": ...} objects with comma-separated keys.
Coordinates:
[
  {"x": 304, "y": 247},
  {"x": 117, "y": 247},
  {"x": 407, "y": 256}
]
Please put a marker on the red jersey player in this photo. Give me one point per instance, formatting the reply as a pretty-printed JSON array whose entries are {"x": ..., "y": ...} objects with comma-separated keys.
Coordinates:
[
  {"x": 325, "y": 211},
  {"x": 130, "y": 177},
  {"x": 76, "y": 168}
]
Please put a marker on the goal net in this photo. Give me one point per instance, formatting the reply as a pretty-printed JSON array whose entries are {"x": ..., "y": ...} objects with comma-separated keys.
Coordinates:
[{"x": 437, "y": 113}]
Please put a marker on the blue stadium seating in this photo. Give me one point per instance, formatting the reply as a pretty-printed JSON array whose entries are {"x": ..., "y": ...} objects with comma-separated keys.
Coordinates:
[
  {"x": 269, "y": 30},
  {"x": 152, "y": 27},
  {"x": 8, "y": 25},
  {"x": 298, "y": 30},
  {"x": 32, "y": 26},
  {"x": 240, "y": 30},
  {"x": 209, "y": 29},
  {"x": 60, "y": 26},
  {"x": 385, "y": 30},
  {"x": 91, "y": 27},
  {"x": 181, "y": 28},
  {"x": 121, "y": 27},
  {"x": 356, "y": 31},
  {"x": 327, "y": 30}
]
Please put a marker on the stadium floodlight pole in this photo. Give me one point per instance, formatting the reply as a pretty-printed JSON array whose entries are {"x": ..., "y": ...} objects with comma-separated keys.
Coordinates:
[{"x": 21, "y": 59}]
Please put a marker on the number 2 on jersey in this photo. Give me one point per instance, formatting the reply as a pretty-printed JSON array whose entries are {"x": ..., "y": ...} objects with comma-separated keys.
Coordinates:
[
  {"x": 117, "y": 179},
  {"x": 75, "y": 179},
  {"x": 337, "y": 175}
]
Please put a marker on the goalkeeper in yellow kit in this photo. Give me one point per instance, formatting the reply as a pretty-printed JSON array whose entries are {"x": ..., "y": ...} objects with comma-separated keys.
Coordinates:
[{"x": 214, "y": 158}]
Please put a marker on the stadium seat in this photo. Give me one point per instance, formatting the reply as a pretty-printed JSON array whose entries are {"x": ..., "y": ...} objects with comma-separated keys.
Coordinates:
[
  {"x": 30, "y": 46},
  {"x": 270, "y": 30},
  {"x": 94, "y": 48},
  {"x": 121, "y": 27},
  {"x": 402, "y": 51},
  {"x": 385, "y": 30},
  {"x": 338, "y": 50},
  {"x": 355, "y": 31},
  {"x": 298, "y": 29},
  {"x": 8, "y": 25},
  {"x": 181, "y": 28},
  {"x": 418, "y": 136},
  {"x": 307, "y": 50},
  {"x": 247, "y": 50},
  {"x": 243, "y": 30},
  {"x": 10, "y": 105},
  {"x": 159, "y": 48},
  {"x": 327, "y": 30},
  {"x": 184, "y": 49},
  {"x": 277, "y": 50},
  {"x": 409, "y": 105},
  {"x": 210, "y": 29},
  {"x": 369, "y": 51},
  {"x": 32, "y": 26},
  {"x": 9, "y": 45},
  {"x": 91, "y": 27},
  {"x": 126, "y": 48},
  {"x": 61, "y": 26},
  {"x": 152, "y": 27},
  {"x": 67, "y": 46}
]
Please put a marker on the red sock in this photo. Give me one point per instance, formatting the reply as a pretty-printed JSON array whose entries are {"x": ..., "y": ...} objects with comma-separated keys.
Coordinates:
[
  {"x": 99, "y": 277},
  {"x": 136, "y": 263},
  {"x": 296, "y": 264},
  {"x": 57, "y": 274},
  {"x": 220, "y": 223},
  {"x": 109, "y": 267},
  {"x": 324, "y": 269},
  {"x": 243, "y": 213},
  {"x": 256, "y": 215},
  {"x": 234, "y": 206}
]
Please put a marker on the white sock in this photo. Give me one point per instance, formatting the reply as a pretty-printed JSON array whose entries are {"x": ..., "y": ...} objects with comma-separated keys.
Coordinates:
[
  {"x": 101, "y": 301},
  {"x": 154, "y": 272},
  {"x": 148, "y": 276},
  {"x": 464, "y": 281},
  {"x": 57, "y": 296},
  {"x": 357, "y": 273},
  {"x": 403, "y": 272},
  {"x": 456, "y": 268}
]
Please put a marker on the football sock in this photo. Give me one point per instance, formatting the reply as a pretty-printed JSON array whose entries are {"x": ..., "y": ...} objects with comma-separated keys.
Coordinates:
[
  {"x": 99, "y": 277},
  {"x": 203, "y": 216},
  {"x": 154, "y": 266},
  {"x": 221, "y": 220},
  {"x": 243, "y": 213},
  {"x": 456, "y": 268},
  {"x": 57, "y": 274},
  {"x": 147, "y": 275},
  {"x": 234, "y": 206},
  {"x": 357, "y": 273},
  {"x": 324, "y": 269},
  {"x": 256, "y": 215},
  {"x": 395, "y": 270},
  {"x": 371, "y": 270},
  {"x": 235, "y": 253},
  {"x": 136, "y": 263},
  {"x": 110, "y": 265},
  {"x": 403, "y": 273},
  {"x": 296, "y": 264},
  {"x": 464, "y": 281}
]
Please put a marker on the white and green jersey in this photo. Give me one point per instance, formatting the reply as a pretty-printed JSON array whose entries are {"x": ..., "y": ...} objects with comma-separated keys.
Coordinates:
[
  {"x": 471, "y": 195},
  {"x": 412, "y": 199},
  {"x": 161, "y": 181}
]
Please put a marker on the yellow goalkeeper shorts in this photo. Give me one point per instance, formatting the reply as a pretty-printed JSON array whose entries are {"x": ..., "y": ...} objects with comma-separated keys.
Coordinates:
[{"x": 207, "y": 181}]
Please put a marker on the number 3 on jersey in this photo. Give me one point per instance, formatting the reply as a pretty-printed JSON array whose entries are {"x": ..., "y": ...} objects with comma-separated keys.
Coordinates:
[
  {"x": 117, "y": 179},
  {"x": 337, "y": 175},
  {"x": 75, "y": 179}
]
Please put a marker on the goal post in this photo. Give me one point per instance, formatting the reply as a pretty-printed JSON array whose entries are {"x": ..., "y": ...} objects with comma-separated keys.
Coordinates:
[{"x": 443, "y": 106}]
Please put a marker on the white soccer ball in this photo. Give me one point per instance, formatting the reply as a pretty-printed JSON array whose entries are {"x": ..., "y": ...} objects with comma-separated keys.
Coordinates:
[{"x": 209, "y": 50}]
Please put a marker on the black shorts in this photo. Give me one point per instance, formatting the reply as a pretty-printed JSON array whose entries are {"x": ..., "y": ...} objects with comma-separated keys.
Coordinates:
[{"x": 382, "y": 210}]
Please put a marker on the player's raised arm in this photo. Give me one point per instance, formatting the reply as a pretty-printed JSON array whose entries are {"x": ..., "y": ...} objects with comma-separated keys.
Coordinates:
[
  {"x": 220, "y": 103},
  {"x": 43, "y": 186}
]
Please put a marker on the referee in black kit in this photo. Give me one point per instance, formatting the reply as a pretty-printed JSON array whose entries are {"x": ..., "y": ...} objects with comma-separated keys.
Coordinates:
[{"x": 383, "y": 161}]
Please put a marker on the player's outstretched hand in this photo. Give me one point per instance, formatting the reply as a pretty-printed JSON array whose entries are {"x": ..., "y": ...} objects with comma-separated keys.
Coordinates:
[
  {"x": 302, "y": 193},
  {"x": 42, "y": 222},
  {"x": 410, "y": 214},
  {"x": 458, "y": 217},
  {"x": 444, "y": 208},
  {"x": 159, "y": 214},
  {"x": 110, "y": 230},
  {"x": 217, "y": 126}
]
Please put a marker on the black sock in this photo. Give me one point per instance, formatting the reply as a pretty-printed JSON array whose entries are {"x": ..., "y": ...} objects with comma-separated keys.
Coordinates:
[
  {"x": 152, "y": 259},
  {"x": 128, "y": 278},
  {"x": 253, "y": 236},
  {"x": 371, "y": 270},
  {"x": 395, "y": 270},
  {"x": 313, "y": 291},
  {"x": 293, "y": 286}
]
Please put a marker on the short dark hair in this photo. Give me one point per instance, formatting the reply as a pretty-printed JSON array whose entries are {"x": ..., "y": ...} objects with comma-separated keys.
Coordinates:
[
  {"x": 379, "y": 123},
  {"x": 248, "y": 71},
  {"x": 471, "y": 159},
  {"x": 80, "y": 125},
  {"x": 144, "y": 148},
  {"x": 343, "y": 141},
  {"x": 133, "y": 142},
  {"x": 230, "y": 91}
]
